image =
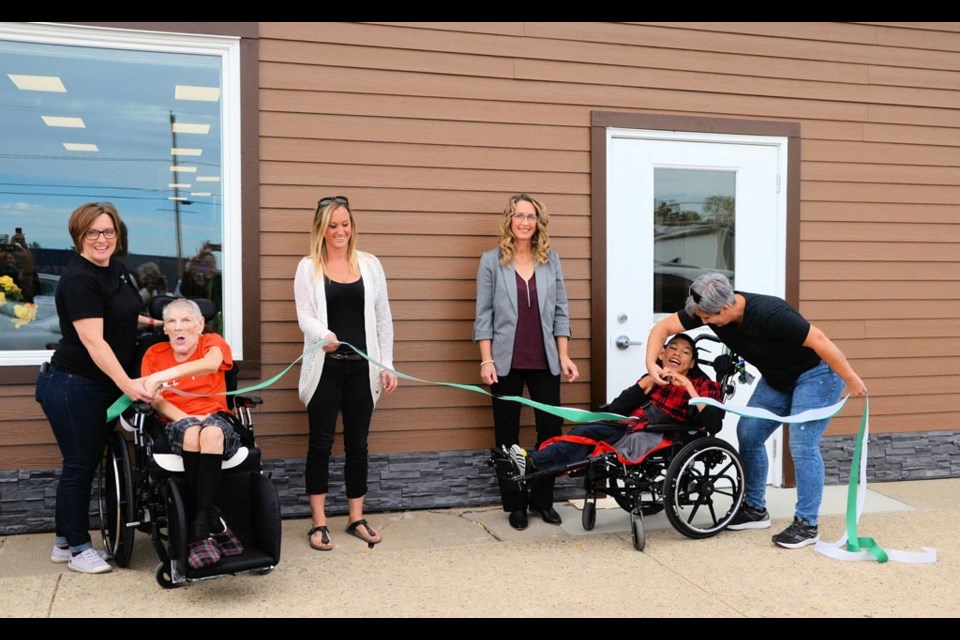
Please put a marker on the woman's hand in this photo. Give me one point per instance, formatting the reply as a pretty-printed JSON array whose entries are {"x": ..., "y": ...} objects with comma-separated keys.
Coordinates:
[
  {"x": 569, "y": 369},
  {"x": 136, "y": 389},
  {"x": 389, "y": 381},
  {"x": 657, "y": 374},
  {"x": 855, "y": 386},
  {"x": 488, "y": 373},
  {"x": 334, "y": 343}
]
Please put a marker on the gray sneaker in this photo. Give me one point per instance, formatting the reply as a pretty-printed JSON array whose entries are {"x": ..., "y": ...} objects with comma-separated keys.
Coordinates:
[
  {"x": 798, "y": 534},
  {"x": 88, "y": 561},
  {"x": 749, "y": 518}
]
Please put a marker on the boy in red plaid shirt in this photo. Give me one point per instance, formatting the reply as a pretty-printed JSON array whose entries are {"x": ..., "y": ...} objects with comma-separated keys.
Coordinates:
[{"x": 647, "y": 403}]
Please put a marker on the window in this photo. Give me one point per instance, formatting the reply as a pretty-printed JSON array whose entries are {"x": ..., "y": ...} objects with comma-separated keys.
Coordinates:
[{"x": 145, "y": 120}]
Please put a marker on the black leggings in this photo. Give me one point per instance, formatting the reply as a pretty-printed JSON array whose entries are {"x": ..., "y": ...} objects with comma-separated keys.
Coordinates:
[{"x": 344, "y": 387}]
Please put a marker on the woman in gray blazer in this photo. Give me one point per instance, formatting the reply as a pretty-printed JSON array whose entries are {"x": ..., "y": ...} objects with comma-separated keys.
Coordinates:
[{"x": 523, "y": 328}]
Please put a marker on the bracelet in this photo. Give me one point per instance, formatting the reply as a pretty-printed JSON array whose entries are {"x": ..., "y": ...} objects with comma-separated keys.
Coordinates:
[{"x": 486, "y": 362}]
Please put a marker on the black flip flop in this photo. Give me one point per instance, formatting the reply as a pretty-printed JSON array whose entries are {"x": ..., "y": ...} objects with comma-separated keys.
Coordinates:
[
  {"x": 324, "y": 538},
  {"x": 352, "y": 530}
]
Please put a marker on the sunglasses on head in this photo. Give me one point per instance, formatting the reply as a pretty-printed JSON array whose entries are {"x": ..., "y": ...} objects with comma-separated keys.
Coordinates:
[
  {"x": 696, "y": 296},
  {"x": 331, "y": 199}
]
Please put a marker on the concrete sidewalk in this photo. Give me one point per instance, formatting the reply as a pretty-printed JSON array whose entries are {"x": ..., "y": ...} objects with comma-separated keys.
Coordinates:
[{"x": 469, "y": 563}]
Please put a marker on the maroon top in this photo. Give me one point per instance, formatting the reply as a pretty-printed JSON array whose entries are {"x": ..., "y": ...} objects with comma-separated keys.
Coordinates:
[{"x": 528, "y": 351}]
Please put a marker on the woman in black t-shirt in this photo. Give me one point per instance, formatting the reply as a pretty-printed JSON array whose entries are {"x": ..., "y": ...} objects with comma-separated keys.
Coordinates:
[
  {"x": 94, "y": 363},
  {"x": 801, "y": 369}
]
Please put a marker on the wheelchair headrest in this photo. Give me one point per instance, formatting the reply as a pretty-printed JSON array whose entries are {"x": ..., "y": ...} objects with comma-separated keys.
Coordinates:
[
  {"x": 722, "y": 365},
  {"x": 207, "y": 308}
]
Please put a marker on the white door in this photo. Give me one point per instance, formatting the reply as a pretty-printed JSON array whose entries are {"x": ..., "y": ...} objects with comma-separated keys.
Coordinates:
[{"x": 679, "y": 205}]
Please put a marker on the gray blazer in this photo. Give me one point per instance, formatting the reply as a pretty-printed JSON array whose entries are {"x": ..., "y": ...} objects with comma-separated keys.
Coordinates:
[{"x": 497, "y": 308}]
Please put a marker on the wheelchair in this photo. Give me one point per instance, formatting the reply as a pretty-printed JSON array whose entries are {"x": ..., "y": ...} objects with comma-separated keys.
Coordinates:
[
  {"x": 140, "y": 487},
  {"x": 694, "y": 476}
]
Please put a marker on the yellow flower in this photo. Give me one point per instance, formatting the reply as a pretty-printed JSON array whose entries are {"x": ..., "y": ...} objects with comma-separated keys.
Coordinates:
[
  {"x": 25, "y": 314},
  {"x": 9, "y": 289},
  {"x": 3, "y": 299}
]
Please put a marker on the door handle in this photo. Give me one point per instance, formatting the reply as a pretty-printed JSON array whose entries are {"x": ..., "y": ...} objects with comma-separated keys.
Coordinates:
[{"x": 624, "y": 342}]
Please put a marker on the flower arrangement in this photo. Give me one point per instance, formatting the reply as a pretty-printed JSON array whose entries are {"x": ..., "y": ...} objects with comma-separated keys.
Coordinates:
[{"x": 11, "y": 293}]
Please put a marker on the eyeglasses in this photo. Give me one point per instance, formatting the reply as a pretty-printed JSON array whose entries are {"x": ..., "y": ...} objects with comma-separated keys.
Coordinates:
[
  {"x": 93, "y": 234},
  {"x": 530, "y": 217},
  {"x": 331, "y": 199},
  {"x": 696, "y": 296}
]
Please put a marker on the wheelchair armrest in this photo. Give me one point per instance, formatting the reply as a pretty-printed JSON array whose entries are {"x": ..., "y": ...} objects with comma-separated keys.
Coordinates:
[
  {"x": 243, "y": 402},
  {"x": 672, "y": 427},
  {"x": 142, "y": 407}
]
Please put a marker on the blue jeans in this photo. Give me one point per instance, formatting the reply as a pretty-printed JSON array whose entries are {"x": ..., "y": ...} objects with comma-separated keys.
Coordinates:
[
  {"x": 816, "y": 388},
  {"x": 77, "y": 410}
]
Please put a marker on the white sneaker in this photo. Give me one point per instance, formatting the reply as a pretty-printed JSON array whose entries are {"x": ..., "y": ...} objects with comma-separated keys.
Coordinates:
[
  {"x": 519, "y": 458},
  {"x": 62, "y": 554},
  {"x": 88, "y": 561}
]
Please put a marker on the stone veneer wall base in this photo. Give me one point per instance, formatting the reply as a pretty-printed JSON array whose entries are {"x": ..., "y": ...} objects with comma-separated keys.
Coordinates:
[{"x": 462, "y": 479}]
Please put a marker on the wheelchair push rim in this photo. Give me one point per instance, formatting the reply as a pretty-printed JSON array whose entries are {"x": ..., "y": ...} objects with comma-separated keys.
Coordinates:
[
  {"x": 115, "y": 500},
  {"x": 703, "y": 487}
]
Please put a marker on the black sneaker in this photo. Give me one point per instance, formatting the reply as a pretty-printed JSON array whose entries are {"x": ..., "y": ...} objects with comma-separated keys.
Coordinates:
[
  {"x": 749, "y": 518},
  {"x": 798, "y": 534}
]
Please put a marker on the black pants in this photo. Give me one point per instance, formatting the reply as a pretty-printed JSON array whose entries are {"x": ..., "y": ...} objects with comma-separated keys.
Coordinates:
[
  {"x": 544, "y": 387},
  {"x": 344, "y": 387}
]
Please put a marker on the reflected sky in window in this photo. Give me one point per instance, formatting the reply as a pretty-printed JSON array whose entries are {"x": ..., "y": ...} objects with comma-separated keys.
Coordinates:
[{"x": 115, "y": 107}]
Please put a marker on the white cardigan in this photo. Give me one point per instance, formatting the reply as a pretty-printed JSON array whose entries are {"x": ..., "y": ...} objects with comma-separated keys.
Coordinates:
[{"x": 311, "y": 302}]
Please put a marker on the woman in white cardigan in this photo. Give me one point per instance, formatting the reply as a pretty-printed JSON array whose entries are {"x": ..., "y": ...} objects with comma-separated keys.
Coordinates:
[{"x": 341, "y": 295}]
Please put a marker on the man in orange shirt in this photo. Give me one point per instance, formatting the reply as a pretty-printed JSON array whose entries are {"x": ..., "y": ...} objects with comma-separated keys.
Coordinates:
[{"x": 194, "y": 363}]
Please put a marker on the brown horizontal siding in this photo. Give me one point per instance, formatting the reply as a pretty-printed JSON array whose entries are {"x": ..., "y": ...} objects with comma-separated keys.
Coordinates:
[
  {"x": 427, "y": 127},
  {"x": 446, "y": 120}
]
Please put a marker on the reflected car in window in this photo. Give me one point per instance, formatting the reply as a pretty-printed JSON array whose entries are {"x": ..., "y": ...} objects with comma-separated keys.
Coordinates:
[{"x": 40, "y": 333}]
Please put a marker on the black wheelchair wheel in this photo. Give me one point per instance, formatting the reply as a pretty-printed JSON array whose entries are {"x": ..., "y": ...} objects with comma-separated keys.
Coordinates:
[
  {"x": 174, "y": 531},
  {"x": 703, "y": 487},
  {"x": 638, "y": 531},
  {"x": 588, "y": 519},
  {"x": 115, "y": 500}
]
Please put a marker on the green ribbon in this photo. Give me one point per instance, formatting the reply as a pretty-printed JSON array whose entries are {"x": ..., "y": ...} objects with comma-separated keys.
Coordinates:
[
  {"x": 567, "y": 413},
  {"x": 854, "y": 542}
]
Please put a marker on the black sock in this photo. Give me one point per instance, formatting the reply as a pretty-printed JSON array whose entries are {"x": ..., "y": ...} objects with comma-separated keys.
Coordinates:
[
  {"x": 191, "y": 467},
  {"x": 208, "y": 479}
]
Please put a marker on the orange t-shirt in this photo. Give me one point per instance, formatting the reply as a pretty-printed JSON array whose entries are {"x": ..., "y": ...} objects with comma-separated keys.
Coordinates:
[{"x": 160, "y": 357}]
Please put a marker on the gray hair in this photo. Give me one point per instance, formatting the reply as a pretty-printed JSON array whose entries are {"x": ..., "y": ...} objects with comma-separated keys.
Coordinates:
[
  {"x": 189, "y": 304},
  {"x": 708, "y": 294}
]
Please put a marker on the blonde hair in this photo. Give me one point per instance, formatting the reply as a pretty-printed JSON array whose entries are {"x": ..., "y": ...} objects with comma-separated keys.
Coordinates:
[
  {"x": 318, "y": 245},
  {"x": 540, "y": 243}
]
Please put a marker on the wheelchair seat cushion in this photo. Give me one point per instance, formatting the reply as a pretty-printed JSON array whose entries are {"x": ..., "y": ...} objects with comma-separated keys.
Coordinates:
[{"x": 173, "y": 462}]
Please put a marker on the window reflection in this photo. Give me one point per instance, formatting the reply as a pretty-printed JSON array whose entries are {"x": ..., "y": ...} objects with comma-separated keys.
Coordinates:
[
  {"x": 138, "y": 128},
  {"x": 693, "y": 217}
]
